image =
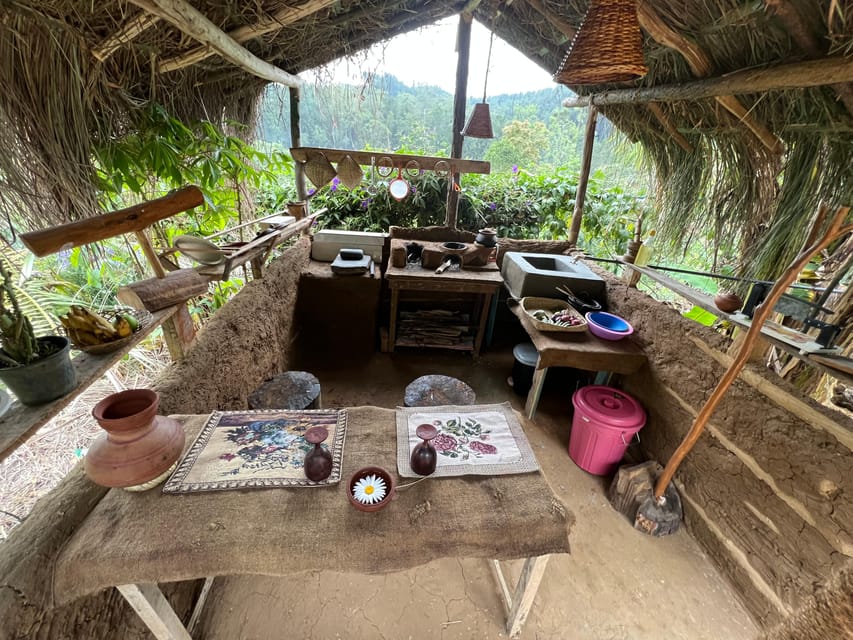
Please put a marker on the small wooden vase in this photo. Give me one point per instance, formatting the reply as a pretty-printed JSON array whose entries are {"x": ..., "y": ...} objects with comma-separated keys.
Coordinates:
[
  {"x": 138, "y": 447},
  {"x": 424, "y": 456},
  {"x": 318, "y": 461}
]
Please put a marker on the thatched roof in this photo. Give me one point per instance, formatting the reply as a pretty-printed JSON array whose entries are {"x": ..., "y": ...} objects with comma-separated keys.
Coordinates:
[{"x": 63, "y": 90}]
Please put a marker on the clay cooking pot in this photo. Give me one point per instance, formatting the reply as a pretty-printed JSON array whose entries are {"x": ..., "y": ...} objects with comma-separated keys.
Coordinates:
[{"x": 138, "y": 446}]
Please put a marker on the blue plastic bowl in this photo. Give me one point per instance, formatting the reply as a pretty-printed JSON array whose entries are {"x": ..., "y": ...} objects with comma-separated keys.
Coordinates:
[{"x": 608, "y": 326}]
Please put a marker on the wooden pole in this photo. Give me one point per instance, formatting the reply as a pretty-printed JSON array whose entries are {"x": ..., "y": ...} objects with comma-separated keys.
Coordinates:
[
  {"x": 836, "y": 230},
  {"x": 460, "y": 97},
  {"x": 136, "y": 218},
  {"x": 795, "y": 75},
  {"x": 192, "y": 22},
  {"x": 278, "y": 20},
  {"x": 178, "y": 330},
  {"x": 296, "y": 141},
  {"x": 583, "y": 179}
]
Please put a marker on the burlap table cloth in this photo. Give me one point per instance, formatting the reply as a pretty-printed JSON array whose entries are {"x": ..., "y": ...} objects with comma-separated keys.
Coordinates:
[{"x": 153, "y": 537}]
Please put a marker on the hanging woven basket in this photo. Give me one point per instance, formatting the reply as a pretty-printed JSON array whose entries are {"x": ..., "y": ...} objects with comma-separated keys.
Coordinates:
[
  {"x": 608, "y": 47},
  {"x": 350, "y": 172}
]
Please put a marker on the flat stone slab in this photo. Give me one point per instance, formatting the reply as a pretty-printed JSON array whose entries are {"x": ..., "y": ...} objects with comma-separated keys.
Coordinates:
[
  {"x": 292, "y": 390},
  {"x": 437, "y": 390}
]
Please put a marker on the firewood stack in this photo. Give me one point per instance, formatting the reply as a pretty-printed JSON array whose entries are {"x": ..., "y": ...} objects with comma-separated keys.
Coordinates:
[{"x": 438, "y": 327}]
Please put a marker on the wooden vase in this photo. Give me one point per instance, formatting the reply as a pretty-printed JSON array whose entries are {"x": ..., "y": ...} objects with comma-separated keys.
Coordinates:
[{"x": 138, "y": 447}]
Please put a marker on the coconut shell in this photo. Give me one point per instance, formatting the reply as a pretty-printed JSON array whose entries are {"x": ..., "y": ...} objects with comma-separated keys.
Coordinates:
[{"x": 728, "y": 302}]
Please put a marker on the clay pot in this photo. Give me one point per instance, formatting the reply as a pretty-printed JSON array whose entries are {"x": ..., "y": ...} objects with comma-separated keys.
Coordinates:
[
  {"x": 487, "y": 237},
  {"x": 728, "y": 302},
  {"x": 138, "y": 447},
  {"x": 389, "y": 484}
]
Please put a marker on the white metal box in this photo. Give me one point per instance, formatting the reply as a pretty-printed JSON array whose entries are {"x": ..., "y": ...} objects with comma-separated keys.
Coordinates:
[{"x": 328, "y": 242}]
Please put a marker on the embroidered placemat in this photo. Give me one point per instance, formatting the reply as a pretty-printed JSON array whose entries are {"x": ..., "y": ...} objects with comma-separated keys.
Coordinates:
[
  {"x": 248, "y": 449},
  {"x": 484, "y": 439}
]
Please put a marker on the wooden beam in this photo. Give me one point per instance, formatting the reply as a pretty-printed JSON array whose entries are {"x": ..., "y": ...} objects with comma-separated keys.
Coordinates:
[
  {"x": 457, "y": 165},
  {"x": 583, "y": 180},
  {"x": 460, "y": 98},
  {"x": 794, "y": 75},
  {"x": 192, "y": 22},
  {"x": 75, "y": 234},
  {"x": 807, "y": 41},
  {"x": 158, "y": 293},
  {"x": 296, "y": 141},
  {"x": 278, "y": 20},
  {"x": 701, "y": 67},
  {"x": 128, "y": 32},
  {"x": 658, "y": 112}
]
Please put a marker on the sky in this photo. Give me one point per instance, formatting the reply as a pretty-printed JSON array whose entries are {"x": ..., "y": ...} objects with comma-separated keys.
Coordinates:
[{"x": 428, "y": 57}]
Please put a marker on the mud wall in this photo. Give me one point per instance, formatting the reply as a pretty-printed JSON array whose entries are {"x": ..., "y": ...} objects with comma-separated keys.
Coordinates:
[
  {"x": 245, "y": 342},
  {"x": 767, "y": 490}
]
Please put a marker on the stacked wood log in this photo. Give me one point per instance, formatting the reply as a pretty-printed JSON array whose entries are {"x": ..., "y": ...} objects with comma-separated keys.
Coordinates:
[{"x": 437, "y": 327}]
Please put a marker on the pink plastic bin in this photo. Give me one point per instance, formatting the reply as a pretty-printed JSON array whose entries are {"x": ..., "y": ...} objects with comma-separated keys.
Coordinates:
[{"x": 604, "y": 423}]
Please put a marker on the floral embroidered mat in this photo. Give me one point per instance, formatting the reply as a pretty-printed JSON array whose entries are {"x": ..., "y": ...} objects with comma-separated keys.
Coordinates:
[
  {"x": 481, "y": 439},
  {"x": 246, "y": 449}
]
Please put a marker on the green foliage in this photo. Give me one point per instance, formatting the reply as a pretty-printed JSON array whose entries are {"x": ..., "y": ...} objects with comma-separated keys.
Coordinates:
[
  {"x": 522, "y": 143},
  {"x": 164, "y": 153}
]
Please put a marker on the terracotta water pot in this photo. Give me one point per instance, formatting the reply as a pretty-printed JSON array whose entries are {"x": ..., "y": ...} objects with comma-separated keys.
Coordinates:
[{"x": 138, "y": 447}]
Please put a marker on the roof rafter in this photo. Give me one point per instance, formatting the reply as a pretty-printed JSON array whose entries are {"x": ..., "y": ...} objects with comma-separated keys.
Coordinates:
[
  {"x": 278, "y": 20},
  {"x": 192, "y": 22},
  {"x": 701, "y": 67},
  {"x": 132, "y": 28}
]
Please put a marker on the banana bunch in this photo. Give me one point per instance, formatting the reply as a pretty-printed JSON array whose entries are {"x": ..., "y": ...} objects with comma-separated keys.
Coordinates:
[{"x": 86, "y": 328}]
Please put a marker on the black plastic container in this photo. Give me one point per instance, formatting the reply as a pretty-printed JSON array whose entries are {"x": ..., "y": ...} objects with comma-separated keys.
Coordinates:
[{"x": 522, "y": 369}]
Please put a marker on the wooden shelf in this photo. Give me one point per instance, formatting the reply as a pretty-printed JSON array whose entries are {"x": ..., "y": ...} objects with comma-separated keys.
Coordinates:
[
  {"x": 830, "y": 363},
  {"x": 21, "y": 422}
]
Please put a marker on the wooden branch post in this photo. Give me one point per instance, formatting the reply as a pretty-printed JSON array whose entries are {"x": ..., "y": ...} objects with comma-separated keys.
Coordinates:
[
  {"x": 795, "y": 75},
  {"x": 837, "y": 229},
  {"x": 583, "y": 179},
  {"x": 193, "y": 23},
  {"x": 460, "y": 97},
  {"x": 296, "y": 141},
  {"x": 178, "y": 330}
]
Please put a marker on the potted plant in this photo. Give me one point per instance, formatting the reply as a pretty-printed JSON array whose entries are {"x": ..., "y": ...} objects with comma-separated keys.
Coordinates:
[{"x": 36, "y": 370}]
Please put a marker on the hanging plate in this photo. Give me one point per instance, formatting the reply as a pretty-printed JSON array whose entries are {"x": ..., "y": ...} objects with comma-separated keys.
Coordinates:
[{"x": 398, "y": 187}]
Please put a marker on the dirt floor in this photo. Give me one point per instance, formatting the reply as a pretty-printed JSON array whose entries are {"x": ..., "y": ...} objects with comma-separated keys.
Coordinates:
[{"x": 617, "y": 584}]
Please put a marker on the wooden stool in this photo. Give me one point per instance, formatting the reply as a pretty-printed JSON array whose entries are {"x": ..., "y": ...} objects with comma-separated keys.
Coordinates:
[
  {"x": 293, "y": 390},
  {"x": 436, "y": 390}
]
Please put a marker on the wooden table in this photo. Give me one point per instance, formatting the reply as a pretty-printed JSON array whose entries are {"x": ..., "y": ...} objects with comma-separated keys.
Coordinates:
[
  {"x": 133, "y": 541},
  {"x": 483, "y": 281},
  {"x": 580, "y": 350}
]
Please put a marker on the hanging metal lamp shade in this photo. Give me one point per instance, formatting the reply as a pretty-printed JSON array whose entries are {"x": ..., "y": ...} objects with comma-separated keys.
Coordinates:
[
  {"x": 608, "y": 47},
  {"x": 479, "y": 125}
]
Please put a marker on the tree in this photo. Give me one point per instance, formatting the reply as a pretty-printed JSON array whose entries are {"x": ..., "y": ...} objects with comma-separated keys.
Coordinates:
[{"x": 522, "y": 143}]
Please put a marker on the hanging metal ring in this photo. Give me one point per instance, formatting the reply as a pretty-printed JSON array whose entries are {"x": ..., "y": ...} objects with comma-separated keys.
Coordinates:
[{"x": 384, "y": 166}]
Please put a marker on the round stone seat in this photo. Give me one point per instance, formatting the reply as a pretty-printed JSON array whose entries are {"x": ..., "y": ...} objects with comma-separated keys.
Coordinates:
[
  {"x": 437, "y": 390},
  {"x": 293, "y": 390}
]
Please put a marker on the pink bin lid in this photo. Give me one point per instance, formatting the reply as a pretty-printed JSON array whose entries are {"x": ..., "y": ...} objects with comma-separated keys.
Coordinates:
[{"x": 609, "y": 407}]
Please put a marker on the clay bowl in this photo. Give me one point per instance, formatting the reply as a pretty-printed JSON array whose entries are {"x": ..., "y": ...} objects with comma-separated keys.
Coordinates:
[
  {"x": 727, "y": 302},
  {"x": 608, "y": 326},
  {"x": 390, "y": 486}
]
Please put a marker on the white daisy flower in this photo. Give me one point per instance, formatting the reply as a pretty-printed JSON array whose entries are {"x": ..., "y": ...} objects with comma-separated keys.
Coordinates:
[{"x": 369, "y": 489}]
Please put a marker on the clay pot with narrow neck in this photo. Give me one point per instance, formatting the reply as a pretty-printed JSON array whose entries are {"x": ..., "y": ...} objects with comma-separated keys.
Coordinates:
[{"x": 139, "y": 447}]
